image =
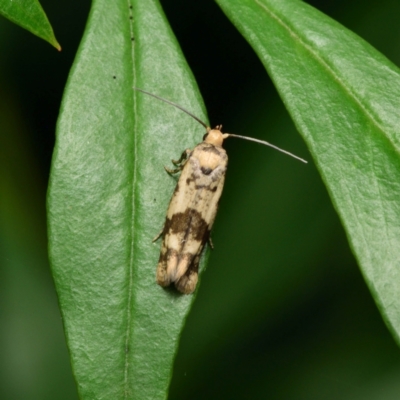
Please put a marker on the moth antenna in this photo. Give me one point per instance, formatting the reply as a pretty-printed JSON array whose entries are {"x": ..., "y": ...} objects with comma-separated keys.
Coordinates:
[
  {"x": 173, "y": 104},
  {"x": 220, "y": 126},
  {"x": 266, "y": 144}
]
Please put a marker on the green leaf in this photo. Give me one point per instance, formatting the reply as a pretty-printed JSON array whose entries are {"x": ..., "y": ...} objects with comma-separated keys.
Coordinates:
[
  {"x": 343, "y": 96},
  {"x": 108, "y": 197},
  {"x": 29, "y": 15}
]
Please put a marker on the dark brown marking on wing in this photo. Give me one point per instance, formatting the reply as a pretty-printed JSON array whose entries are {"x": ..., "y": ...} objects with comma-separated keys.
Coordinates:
[
  {"x": 198, "y": 224},
  {"x": 189, "y": 221},
  {"x": 211, "y": 148},
  {"x": 206, "y": 171},
  {"x": 206, "y": 187}
]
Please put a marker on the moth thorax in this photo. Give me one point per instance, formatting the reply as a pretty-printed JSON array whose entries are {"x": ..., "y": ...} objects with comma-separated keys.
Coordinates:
[{"x": 215, "y": 137}]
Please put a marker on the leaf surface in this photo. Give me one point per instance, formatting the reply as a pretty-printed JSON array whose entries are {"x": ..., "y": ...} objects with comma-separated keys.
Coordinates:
[{"x": 108, "y": 197}]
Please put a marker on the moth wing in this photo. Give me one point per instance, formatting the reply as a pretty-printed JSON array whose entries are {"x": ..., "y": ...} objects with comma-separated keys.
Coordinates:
[
  {"x": 188, "y": 281},
  {"x": 174, "y": 228},
  {"x": 190, "y": 216}
]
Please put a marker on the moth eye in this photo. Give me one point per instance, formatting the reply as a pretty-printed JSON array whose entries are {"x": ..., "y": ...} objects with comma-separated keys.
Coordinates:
[{"x": 205, "y": 136}]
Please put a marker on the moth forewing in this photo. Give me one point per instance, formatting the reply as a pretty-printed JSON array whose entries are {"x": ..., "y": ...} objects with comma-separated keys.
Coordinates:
[{"x": 191, "y": 214}]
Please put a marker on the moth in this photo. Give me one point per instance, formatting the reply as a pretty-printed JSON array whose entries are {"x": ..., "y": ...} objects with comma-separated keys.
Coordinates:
[{"x": 193, "y": 206}]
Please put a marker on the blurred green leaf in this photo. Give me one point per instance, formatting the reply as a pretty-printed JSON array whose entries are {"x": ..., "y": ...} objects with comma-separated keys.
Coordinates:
[
  {"x": 29, "y": 15},
  {"x": 108, "y": 197},
  {"x": 343, "y": 96},
  {"x": 36, "y": 361}
]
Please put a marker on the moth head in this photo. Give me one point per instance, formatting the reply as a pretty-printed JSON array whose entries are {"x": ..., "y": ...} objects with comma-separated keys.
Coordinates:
[{"x": 215, "y": 136}]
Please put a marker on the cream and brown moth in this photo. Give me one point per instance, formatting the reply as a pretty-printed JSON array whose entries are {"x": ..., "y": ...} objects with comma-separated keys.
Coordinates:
[
  {"x": 193, "y": 206},
  {"x": 191, "y": 212}
]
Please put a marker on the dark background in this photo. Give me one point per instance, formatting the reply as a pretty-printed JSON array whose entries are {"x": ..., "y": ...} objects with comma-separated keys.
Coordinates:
[{"x": 283, "y": 311}]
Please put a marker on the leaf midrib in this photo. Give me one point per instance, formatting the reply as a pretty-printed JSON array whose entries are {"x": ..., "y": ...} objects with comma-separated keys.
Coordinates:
[{"x": 133, "y": 214}]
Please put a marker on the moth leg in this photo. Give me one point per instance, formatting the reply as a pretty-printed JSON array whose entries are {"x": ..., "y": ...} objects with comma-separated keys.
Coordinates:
[
  {"x": 173, "y": 171},
  {"x": 210, "y": 242},
  {"x": 179, "y": 163},
  {"x": 158, "y": 235},
  {"x": 183, "y": 157}
]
